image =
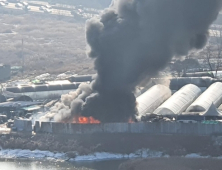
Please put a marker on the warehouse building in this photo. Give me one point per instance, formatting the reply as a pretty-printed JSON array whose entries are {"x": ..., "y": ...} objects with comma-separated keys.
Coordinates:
[{"x": 188, "y": 103}]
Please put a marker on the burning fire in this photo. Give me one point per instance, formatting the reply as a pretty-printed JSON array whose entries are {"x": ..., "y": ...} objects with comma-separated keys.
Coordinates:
[
  {"x": 130, "y": 120},
  {"x": 85, "y": 120},
  {"x": 91, "y": 120}
]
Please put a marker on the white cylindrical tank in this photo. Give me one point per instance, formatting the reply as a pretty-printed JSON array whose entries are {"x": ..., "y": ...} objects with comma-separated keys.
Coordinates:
[
  {"x": 179, "y": 101},
  {"x": 212, "y": 95},
  {"x": 152, "y": 98}
]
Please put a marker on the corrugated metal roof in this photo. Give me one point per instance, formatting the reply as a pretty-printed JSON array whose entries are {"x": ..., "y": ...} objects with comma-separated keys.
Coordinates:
[
  {"x": 31, "y": 108},
  {"x": 18, "y": 104},
  {"x": 179, "y": 101},
  {"x": 152, "y": 99},
  {"x": 212, "y": 95}
]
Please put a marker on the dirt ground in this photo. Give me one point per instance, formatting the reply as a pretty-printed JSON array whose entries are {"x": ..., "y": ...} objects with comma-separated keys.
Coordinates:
[
  {"x": 172, "y": 164},
  {"x": 52, "y": 44}
]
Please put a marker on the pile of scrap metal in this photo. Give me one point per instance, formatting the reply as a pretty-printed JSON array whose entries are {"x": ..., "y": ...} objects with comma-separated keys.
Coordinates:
[
  {"x": 3, "y": 119},
  {"x": 18, "y": 108},
  {"x": 10, "y": 110},
  {"x": 156, "y": 118}
]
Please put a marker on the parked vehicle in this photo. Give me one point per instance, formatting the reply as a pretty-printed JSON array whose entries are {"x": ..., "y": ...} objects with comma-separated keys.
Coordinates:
[
  {"x": 19, "y": 5},
  {"x": 24, "y": 3},
  {"x": 41, "y": 8},
  {"x": 2, "y": 4}
]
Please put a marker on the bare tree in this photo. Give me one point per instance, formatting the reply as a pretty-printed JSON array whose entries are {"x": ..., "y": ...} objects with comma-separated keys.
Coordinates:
[
  {"x": 207, "y": 54},
  {"x": 177, "y": 67},
  {"x": 190, "y": 63},
  {"x": 182, "y": 66},
  {"x": 212, "y": 53},
  {"x": 218, "y": 45}
]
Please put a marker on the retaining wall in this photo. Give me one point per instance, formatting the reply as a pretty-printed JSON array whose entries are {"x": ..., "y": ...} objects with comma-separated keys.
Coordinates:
[
  {"x": 23, "y": 125},
  {"x": 198, "y": 129},
  {"x": 5, "y": 72}
]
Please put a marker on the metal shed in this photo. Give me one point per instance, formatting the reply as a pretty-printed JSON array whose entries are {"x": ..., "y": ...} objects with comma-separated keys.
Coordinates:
[
  {"x": 179, "y": 101},
  {"x": 212, "y": 95},
  {"x": 151, "y": 99}
]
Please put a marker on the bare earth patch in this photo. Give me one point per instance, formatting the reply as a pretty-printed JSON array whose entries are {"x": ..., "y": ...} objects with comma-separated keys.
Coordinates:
[{"x": 50, "y": 44}]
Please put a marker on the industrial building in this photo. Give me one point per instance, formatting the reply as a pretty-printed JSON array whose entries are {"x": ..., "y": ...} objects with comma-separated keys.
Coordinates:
[
  {"x": 179, "y": 101},
  {"x": 18, "y": 108},
  {"x": 212, "y": 95},
  {"x": 190, "y": 102},
  {"x": 195, "y": 111},
  {"x": 40, "y": 92},
  {"x": 151, "y": 99},
  {"x": 46, "y": 89},
  {"x": 180, "y": 96}
]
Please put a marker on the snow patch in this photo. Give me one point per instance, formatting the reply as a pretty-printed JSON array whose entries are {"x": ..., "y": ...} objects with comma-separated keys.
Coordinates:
[
  {"x": 196, "y": 155},
  {"x": 98, "y": 156},
  {"x": 28, "y": 154}
]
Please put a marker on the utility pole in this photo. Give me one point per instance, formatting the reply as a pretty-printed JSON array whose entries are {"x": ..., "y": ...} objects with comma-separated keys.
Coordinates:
[
  {"x": 1, "y": 88},
  {"x": 23, "y": 61}
]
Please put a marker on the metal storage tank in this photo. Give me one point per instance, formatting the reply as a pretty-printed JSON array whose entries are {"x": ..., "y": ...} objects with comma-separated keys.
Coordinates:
[
  {"x": 151, "y": 99},
  {"x": 212, "y": 95},
  {"x": 179, "y": 101}
]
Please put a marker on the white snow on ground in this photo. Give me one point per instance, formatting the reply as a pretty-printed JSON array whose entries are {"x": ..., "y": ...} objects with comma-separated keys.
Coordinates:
[
  {"x": 196, "y": 155},
  {"x": 36, "y": 154},
  {"x": 98, "y": 156}
]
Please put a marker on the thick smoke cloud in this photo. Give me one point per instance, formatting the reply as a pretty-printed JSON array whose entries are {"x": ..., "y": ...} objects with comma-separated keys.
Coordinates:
[
  {"x": 131, "y": 40},
  {"x": 69, "y": 106},
  {"x": 136, "y": 38}
]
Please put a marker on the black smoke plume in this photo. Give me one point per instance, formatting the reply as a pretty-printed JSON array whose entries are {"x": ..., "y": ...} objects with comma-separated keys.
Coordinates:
[{"x": 136, "y": 38}]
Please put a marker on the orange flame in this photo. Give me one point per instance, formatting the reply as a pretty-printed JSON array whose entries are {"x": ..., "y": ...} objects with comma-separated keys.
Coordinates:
[
  {"x": 130, "y": 120},
  {"x": 91, "y": 120},
  {"x": 85, "y": 120}
]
